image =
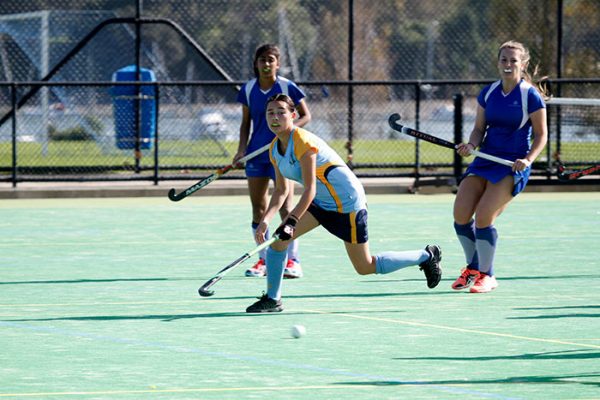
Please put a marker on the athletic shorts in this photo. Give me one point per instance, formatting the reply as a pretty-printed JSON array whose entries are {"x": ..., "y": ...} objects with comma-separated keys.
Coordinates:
[
  {"x": 259, "y": 170},
  {"x": 351, "y": 227}
]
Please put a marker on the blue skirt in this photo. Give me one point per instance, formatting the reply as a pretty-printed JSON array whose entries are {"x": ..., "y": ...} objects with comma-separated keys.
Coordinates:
[{"x": 495, "y": 172}]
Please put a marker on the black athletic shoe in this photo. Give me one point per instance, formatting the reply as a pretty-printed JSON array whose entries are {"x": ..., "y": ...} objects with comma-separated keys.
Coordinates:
[
  {"x": 265, "y": 304},
  {"x": 431, "y": 267}
]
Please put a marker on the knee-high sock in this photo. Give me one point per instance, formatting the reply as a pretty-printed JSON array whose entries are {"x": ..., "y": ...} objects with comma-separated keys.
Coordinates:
[
  {"x": 466, "y": 237},
  {"x": 486, "y": 239},
  {"x": 275, "y": 265},
  {"x": 292, "y": 251},
  {"x": 263, "y": 253},
  {"x": 391, "y": 261}
]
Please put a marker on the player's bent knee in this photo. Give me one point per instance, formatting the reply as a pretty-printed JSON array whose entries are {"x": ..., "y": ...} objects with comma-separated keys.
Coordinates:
[{"x": 366, "y": 269}]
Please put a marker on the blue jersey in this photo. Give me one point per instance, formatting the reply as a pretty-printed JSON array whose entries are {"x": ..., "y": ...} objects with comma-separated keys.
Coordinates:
[
  {"x": 338, "y": 189},
  {"x": 508, "y": 127},
  {"x": 508, "y": 133},
  {"x": 255, "y": 99}
]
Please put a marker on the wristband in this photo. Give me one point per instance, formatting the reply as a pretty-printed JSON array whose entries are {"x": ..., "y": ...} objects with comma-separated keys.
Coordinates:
[
  {"x": 294, "y": 217},
  {"x": 474, "y": 147},
  {"x": 291, "y": 220}
]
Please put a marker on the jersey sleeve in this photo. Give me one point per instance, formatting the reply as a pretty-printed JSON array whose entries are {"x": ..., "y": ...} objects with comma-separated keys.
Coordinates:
[
  {"x": 534, "y": 101},
  {"x": 303, "y": 143},
  {"x": 295, "y": 93},
  {"x": 241, "y": 96},
  {"x": 481, "y": 97},
  {"x": 271, "y": 150}
]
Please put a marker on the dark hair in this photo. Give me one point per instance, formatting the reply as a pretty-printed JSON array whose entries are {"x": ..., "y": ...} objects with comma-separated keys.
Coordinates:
[
  {"x": 265, "y": 48},
  {"x": 285, "y": 98}
]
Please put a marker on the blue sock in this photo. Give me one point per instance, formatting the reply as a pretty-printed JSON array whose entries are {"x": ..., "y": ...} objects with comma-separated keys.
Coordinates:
[
  {"x": 486, "y": 248},
  {"x": 263, "y": 253},
  {"x": 466, "y": 237},
  {"x": 275, "y": 265},
  {"x": 391, "y": 261}
]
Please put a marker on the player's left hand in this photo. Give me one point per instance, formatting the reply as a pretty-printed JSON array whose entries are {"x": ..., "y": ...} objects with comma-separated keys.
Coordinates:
[
  {"x": 464, "y": 149},
  {"x": 520, "y": 164}
]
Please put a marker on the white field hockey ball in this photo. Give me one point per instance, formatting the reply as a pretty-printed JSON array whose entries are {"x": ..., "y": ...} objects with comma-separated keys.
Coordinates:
[{"x": 298, "y": 331}]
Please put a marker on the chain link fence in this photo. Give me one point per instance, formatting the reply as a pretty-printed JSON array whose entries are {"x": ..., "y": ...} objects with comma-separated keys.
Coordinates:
[{"x": 358, "y": 62}]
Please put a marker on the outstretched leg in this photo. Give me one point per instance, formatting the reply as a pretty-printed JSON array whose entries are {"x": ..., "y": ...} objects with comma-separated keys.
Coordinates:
[{"x": 390, "y": 261}]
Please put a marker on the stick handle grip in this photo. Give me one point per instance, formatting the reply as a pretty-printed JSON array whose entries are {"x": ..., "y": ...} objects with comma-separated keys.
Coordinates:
[
  {"x": 492, "y": 158},
  {"x": 254, "y": 153},
  {"x": 393, "y": 121}
]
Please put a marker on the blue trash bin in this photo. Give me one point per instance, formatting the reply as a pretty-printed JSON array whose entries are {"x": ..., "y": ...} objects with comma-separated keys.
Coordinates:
[{"x": 124, "y": 99}]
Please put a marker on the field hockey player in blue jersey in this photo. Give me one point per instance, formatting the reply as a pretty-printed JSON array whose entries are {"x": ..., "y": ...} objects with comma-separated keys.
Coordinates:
[
  {"x": 509, "y": 111},
  {"x": 332, "y": 197},
  {"x": 253, "y": 97}
]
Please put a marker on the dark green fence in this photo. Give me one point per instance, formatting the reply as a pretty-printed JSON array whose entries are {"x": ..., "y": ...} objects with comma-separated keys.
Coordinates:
[
  {"x": 358, "y": 64},
  {"x": 188, "y": 138}
]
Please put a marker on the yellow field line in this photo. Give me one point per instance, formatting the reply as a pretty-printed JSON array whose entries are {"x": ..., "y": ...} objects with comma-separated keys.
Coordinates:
[{"x": 452, "y": 328}]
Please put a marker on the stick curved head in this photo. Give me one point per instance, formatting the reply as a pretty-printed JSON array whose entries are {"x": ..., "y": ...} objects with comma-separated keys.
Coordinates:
[
  {"x": 173, "y": 195},
  {"x": 393, "y": 121},
  {"x": 395, "y": 117},
  {"x": 205, "y": 293}
]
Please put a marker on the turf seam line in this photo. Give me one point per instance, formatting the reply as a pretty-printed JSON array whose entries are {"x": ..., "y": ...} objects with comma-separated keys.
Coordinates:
[{"x": 452, "y": 328}]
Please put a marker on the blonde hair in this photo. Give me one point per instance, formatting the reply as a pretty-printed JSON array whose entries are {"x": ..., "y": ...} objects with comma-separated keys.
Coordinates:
[{"x": 533, "y": 79}]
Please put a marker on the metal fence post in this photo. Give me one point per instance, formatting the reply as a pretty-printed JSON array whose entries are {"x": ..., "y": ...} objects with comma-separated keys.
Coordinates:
[
  {"x": 417, "y": 127},
  {"x": 458, "y": 133},
  {"x": 13, "y": 101},
  {"x": 156, "y": 141}
]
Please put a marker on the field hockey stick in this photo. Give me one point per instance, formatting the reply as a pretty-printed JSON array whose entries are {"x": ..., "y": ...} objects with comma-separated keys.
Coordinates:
[
  {"x": 173, "y": 196},
  {"x": 565, "y": 175},
  {"x": 393, "y": 121},
  {"x": 203, "y": 290}
]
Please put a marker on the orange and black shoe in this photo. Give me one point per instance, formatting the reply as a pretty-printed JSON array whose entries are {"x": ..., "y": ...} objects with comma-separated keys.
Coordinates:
[{"x": 466, "y": 279}]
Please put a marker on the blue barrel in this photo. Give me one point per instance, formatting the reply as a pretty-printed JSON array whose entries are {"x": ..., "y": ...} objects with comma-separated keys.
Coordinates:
[{"x": 124, "y": 99}]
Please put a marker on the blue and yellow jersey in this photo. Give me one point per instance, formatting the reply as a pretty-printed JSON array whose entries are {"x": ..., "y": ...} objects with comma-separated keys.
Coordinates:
[{"x": 338, "y": 189}]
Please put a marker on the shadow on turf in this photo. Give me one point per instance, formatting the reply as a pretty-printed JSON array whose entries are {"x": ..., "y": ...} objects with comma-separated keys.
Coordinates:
[
  {"x": 500, "y": 278},
  {"x": 554, "y": 355},
  {"x": 579, "y": 315},
  {"x": 425, "y": 292},
  {"x": 90, "y": 281},
  {"x": 561, "y": 379},
  {"x": 163, "y": 317},
  {"x": 174, "y": 317},
  {"x": 557, "y": 307},
  {"x": 552, "y": 316},
  {"x": 547, "y": 277},
  {"x": 77, "y": 281}
]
